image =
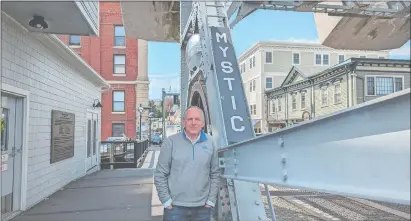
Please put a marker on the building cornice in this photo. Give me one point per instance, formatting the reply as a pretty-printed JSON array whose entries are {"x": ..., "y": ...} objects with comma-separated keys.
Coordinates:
[
  {"x": 128, "y": 82},
  {"x": 289, "y": 46}
]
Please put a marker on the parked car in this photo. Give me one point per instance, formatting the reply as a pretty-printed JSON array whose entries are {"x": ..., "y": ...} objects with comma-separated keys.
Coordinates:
[{"x": 156, "y": 139}]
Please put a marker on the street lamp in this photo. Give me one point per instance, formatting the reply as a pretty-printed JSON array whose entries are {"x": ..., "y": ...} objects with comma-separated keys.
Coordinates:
[
  {"x": 140, "y": 109},
  {"x": 150, "y": 116}
]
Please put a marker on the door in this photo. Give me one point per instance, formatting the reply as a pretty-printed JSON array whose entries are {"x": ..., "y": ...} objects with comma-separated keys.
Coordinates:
[
  {"x": 92, "y": 138},
  {"x": 11, "y": 158}
]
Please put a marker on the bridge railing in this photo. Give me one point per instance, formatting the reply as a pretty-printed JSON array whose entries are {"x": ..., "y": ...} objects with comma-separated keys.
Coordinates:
[
  {"x": 122, "y": 154},
  {"x": 362, "y": 151}
]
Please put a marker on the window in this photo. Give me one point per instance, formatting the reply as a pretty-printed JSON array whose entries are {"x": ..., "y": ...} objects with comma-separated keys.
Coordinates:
[
  {"x": 381, "y": 57},
  {"x": 294, "y": 102},
  {"x": 296, "y": 58},
  {"x": 341, "y": 58},
  {"x": 254, "y": 85},
  {"x": 117, "y": 130},
  {"x": 253, "y": 109},
  {"x": 383, "y": 85},
  {"x": 268, "y": 57},
  {"x": 118, "y": 101},
  {"x": 362, "y": 56},
  {"x": 324, "y": 96},
  {"x": 302, "y": 100},
  {"x": 279, "y": 104},
  {"x": 322, "y": 59},
  {"x": 337, "y": 93},
  {"x": 119, "y": 36},
  {"x": 325, "y": 59},
  {"x": 74, "y": 40},
  {"x": 119, "y": 64},
  {"x": 268, "y": 82},
  {"x": 272, "y": 106},
  {"x": 318, "y": 59},
  {"x": 253, "y": 61},
  {"x": 251, "y": 86}
]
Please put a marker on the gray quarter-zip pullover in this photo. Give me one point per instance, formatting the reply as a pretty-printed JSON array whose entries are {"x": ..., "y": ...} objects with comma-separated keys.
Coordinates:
[{"x": 187, "y": 173}]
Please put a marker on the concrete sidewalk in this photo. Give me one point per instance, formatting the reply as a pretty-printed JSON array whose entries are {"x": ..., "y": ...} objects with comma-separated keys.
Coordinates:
[{"x": 120, "y": 195}]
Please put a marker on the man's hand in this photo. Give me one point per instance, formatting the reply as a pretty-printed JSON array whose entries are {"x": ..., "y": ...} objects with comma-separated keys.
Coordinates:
[
  {"x": 207, "y": 206},
  {"x": 170, "y": 207}
]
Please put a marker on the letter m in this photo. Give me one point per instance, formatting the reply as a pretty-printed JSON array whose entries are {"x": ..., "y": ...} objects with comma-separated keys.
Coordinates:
[{"x": 219, "y": 36}]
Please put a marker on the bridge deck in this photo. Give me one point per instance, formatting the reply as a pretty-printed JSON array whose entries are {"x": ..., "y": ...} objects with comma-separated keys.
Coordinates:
[{"x": 129, "y": 195}]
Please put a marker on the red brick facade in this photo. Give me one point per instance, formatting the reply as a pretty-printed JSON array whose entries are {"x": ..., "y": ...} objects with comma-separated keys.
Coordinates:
[{"x": 99, "y": 53}]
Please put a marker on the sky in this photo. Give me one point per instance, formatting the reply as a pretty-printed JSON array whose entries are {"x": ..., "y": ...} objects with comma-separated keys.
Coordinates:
[{"x": 262, "y": 25}]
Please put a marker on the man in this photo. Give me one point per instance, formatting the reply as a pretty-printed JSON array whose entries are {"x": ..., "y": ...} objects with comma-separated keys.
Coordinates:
[{"x": 187, "y": 172}]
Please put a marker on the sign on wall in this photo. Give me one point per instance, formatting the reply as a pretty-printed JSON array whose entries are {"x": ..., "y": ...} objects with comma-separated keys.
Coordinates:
[
  {"x": 234, "y": 105},
  {"x": 62, "y": 136}
]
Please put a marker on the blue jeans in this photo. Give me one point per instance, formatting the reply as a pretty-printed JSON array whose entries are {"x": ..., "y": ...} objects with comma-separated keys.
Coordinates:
[{"x": 179, "y": 213}]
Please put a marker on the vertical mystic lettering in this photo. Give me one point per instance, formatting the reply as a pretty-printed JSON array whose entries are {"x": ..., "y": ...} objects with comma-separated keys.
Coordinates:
[{"x": 227, "y": 67}]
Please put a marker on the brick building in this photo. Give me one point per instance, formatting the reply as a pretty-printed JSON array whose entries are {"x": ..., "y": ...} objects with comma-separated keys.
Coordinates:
[{"x": 122, "y": 62}]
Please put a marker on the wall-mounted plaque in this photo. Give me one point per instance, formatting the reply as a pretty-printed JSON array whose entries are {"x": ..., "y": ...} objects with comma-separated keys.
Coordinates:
[{"x": 62, "y": 136}]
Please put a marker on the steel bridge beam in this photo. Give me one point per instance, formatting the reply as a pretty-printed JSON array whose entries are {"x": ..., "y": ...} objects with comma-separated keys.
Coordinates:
[{"x": 363, "y": 151}]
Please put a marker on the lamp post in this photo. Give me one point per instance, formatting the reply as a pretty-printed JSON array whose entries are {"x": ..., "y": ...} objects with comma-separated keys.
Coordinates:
[
  {"x": 140, "y": 110},
  {"x": 150, "y": 116}
]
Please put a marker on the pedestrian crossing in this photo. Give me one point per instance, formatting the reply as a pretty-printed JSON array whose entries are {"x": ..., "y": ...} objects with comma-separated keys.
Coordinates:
[{"x": 150, "y": 162}]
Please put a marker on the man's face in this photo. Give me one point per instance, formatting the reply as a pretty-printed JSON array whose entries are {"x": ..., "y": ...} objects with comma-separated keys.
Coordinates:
[{"x": 193, "y": 122}]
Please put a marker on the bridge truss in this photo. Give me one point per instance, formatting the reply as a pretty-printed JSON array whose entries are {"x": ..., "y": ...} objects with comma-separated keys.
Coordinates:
[{"x": 283, "y": 159}]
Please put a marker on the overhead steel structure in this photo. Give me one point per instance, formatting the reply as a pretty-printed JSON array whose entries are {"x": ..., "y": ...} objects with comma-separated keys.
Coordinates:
[{"x": 366, "y": 156}]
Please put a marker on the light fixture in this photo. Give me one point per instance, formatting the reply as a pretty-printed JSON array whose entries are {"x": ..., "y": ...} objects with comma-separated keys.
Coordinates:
[
  {"x": 98, "y": 104},
  {"x": 38, "y": 22}
]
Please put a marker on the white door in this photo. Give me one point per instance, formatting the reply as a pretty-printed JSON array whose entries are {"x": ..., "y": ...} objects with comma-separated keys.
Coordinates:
[
  {"x": 92, "y": 138},
  {"x": 11, "y": 148}
]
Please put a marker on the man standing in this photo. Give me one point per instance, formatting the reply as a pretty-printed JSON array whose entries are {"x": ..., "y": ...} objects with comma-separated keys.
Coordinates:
[{"x": 187, "y": 172}]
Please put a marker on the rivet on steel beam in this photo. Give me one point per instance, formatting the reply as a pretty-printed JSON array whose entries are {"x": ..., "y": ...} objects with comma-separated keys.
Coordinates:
[
  {"x": 257, "y": 203},
  {"x": 280, "y": 142}
]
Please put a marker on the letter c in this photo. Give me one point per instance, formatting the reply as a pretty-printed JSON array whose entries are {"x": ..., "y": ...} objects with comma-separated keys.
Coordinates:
[{"x": 233, "y": 123}]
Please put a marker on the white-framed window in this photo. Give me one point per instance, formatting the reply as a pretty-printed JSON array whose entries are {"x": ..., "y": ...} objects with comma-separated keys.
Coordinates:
[
  {"x": 322, "y": 59},
  {"x": 326, "y": 59},
  {"x": 324, "y": 96},
  {"x": 296, "y": 58},
  {"x": 253, "y": 109},
  {"x": 118, "y": 101},
  {"x": 303, "y": 100},
  {"x": 119, "y": 64},
  {"x": 75, "y": 40},
  {"x": 279, "y": 105},
  {"x": 318, "y": 59},
  {"x": 250, "y": 62},
  {"x": 268, "y": 57},
  {"x": 119, "y": 36},
  {"x": 381, "y": 57},
  {"x": 253, "y": 61},
  {"x": 254, "y": 85},
  {"x": 251, "y": 86},
  {"x": 294, "y": 101},
  {"x": 363, "y": 56},
  {"x": 268, "y": 82},
  {"x": 383, "y": 85},
  {"x": 273, "y": 106},
  {"x": 341, "y": 58},
  {"x": 337, "y": 93}
]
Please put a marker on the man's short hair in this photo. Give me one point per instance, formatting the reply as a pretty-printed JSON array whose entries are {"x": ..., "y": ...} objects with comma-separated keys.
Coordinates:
[{"x": 196, "y": 107}]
